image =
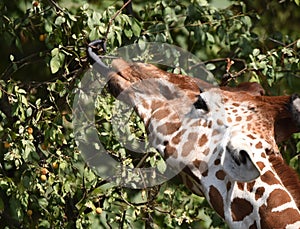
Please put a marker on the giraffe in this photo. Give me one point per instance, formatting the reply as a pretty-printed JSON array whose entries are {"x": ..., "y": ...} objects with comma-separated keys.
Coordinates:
[{"x": 223, "y": 139}]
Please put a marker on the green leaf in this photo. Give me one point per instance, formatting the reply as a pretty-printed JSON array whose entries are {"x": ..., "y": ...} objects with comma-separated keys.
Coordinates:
[
  {"x": 27, "y": 149},
  {"x": 48, "y": 26},
  {"x": 20, "y": 91},
  {"x": 43, "y": 202},
  {"x": 54, "y": 52},
  {"x": 73, "y": 18},
  {"x": 247, "y": 21},
  {"x": 57, "y": 60},
  {"x": 23, "y": 100},
  {"x": 255, "y": 52},
  {"x": 161, "y": 166},
  {"x": 15, "y": 206},
  {"x": 26, "y": 181},
  {"x": 85, "y": 7},
  {"x": 210, "y": 66},
  {"x": 128, "y": 33},
  {"x": 298, "y": 43},
  {"x": 160, "y": 37},
  {"x": 297, "y": 2},
  {"x": 59, "y": 20},
  {"x": 19, "y": 44},
  {"x": 54, "y": 64},
  {"x": 210, "y": 38},
  {"x": 94, "y": 34},
  {"x": 119, "y": 37},
  {"x": 287, "y": 51},
  {"x": 96, "y": 18},
  {"x": 136, "y": 28},
  {"x": 44, "y": 224}
]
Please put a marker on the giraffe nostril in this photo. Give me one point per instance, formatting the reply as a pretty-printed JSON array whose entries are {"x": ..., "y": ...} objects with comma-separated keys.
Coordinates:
[{"x": 243, "y": 155}]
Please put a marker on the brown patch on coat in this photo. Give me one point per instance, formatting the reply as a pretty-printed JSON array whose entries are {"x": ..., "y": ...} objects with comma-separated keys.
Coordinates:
[
  {"x": 258, "y": 145},
  {"x": 259, "y": 192},
  {"x": 260, "y": 165},
  {"x": 178, "y": 136},
  {"x": 221, "y": 175},
  {"x": 240, "y": 208},
  {"x": 203, "y": 139},
  {"x": 170, "y": 151},
  {"x": 269, "y": 178},
  {"x": 168, "y": 128},
  {"x": 216, "y": 200},
  {"x": 190, "y": 144}
]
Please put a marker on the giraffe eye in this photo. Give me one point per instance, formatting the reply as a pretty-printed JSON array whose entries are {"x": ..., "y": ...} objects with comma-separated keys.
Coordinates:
[{"x": 200, "y": 104}]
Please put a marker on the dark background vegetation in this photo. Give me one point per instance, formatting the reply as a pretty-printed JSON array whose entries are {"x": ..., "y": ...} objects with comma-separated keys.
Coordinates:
[{"x": 44, "y": 182}]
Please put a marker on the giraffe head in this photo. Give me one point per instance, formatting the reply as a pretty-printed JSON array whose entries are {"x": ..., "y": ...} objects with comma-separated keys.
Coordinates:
[
  {"x": 238, "y": 117},
  {"x": 224, "y": 140}
]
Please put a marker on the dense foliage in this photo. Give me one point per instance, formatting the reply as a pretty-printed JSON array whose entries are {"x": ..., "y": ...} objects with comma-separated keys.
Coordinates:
[{"x": 44, "y": 182}]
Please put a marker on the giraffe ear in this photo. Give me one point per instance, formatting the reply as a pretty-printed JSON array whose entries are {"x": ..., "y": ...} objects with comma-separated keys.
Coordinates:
[{"x": 238, "y": 164}]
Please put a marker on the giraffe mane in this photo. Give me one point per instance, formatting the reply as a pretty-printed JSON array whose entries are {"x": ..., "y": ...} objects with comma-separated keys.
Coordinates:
[{"x": 288, "y": 176}]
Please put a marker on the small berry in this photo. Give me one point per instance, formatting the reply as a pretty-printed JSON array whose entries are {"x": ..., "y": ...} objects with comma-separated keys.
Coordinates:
[
  {"x": 98, "y": 210},
  {"x": 44, "y": 171},
  {"x": 30, "y": 130},
  {"x": 42, "y": 37},
  {"x": 55, "y": 165},
  {"x": 43, "y": 178},
  {"x": 35, "y": 3},
  {"x": 6, "y": 145},
  {"x": 29, "y": 212}
]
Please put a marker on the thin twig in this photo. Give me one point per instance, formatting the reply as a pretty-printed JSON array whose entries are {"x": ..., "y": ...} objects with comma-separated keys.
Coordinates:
[
  {"x": 291, "y": 44},
  {"x": 58, "y": 8},
  {"x": 36, "y": 57},
  {"x": 276, "y": 41},
  {"x": 113, "y": 18}
]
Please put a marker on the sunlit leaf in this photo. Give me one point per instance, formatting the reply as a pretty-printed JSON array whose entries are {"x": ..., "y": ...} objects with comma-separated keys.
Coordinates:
[{"x": 60, "y": 20}]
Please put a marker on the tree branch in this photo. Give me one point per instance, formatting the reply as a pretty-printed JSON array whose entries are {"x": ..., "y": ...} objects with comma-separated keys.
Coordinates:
[{"x": 113, "y": 18}]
